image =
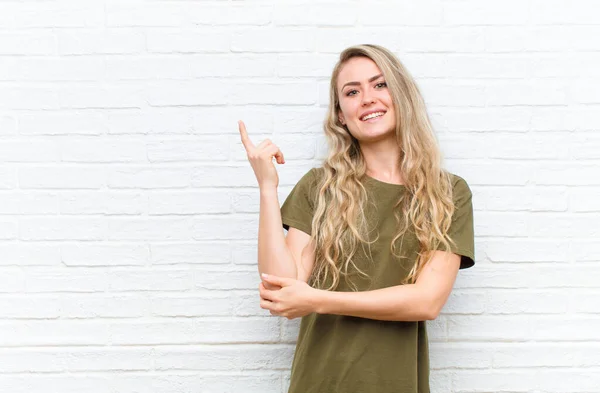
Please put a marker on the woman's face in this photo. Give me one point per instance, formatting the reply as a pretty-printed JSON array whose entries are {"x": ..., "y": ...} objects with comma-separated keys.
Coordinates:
[{"x": 363, "y": 91}]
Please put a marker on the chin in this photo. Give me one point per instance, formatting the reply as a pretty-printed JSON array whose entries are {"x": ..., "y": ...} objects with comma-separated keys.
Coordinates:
[
  {"x": 375, "y": 137},
  {"x": 378, "y": 132}
]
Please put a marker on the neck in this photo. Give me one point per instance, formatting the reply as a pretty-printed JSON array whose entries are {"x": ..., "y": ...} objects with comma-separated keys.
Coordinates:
[{"x": 382, "y": 160}]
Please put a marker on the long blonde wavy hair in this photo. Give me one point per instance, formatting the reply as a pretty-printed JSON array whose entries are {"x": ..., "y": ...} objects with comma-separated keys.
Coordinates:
[{"x": 339, "y": 225}]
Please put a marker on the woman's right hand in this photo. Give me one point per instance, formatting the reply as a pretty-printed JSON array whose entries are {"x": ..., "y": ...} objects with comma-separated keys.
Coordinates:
[{"x": 261, "y": 159}]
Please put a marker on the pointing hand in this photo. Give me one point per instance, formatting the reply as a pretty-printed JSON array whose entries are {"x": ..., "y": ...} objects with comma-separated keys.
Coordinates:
[{"x": 261, "y": 159}]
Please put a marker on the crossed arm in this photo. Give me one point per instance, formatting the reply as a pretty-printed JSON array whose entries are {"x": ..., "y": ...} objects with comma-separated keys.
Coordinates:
[{"x": 422, "y": 300}]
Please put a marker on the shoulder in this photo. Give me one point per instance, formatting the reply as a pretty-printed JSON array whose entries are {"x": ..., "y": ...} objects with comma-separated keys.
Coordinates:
[
  {"x": 318, "y": 172},
  {"x": 460, "y": 187},
  {"x": 461, "y": 192},
  {"x": 307, "y": 184},
  {"x": 313, "y": 176}
]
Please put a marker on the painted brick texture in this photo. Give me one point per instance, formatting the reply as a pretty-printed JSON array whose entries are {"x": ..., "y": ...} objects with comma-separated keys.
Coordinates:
[{"x": 129, "y": 214}]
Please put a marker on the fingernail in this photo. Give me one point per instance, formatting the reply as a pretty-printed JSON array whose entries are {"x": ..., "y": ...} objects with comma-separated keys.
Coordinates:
[{"x": 265, "y": 275}]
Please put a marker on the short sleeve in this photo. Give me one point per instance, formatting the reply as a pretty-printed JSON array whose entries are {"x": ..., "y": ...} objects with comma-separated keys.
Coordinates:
[
  {"x": 461, "y": 228},
  {"x": 298, "y": 208}
]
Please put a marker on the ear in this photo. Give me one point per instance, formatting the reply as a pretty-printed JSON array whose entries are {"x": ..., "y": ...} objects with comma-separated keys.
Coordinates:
[{"x": 341, "y": 118}]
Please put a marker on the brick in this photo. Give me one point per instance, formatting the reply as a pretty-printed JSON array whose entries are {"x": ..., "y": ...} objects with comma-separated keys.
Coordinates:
[
  {"x": 201, "y": 252},
  {"x": 459, "y": 356},
  {"x": 64, "y": 228},
  {"x": 287, "y": 93},
  {"x": 196, "y": 41},
  {"x": 29, "y": 203},
  {"x": 105, "y": 254},
  {"x": 55, "y": 69},
  {"x": 29, "y": 15},
  {"x": 512, "y": 356},
  {"x": 139, "y": 279},
  {"x": 144, "y": 67},
  {"x": 53, "y": 332},
  {"x": 424, "y": 13},
  {"x": 507, "y": 198},
  {"x": 156, "y": 121},
  {"x": 471, "y": 12},
  {"x": 554, "y": 381},
  {"x": 482, "y": 120},
  {"x": 416, "y": 39},
  {"x": 34, "y": 98},
  {"x": 225, "y": 357},
  {"x": 208, "y": 149},
  {"x": 116, "y": 96},
  {"x": 557, "y": 12},
  {"x": 177, "y": 93},
  {"x": 514, "y": 328},
  {"x": 97, "y": 305},
  {"x": 103, "y": 150},
  {"x": 12, "y": 280},
  {"x": 302, "y": 65},
  {"x": 225, "y": 227},
  {"x": 61, "y": 279},
  {"x": 25, "y": 43},
  {"x": 103, "y": 202},
  {"x": 230, "y": 382},
  {"x": 149, "y": 228},
  {"x": 527, "y": 93},
  {"x": 106, "y": 41},
  {"x": 23, "y": 254},
  {"x": 61, "y": 177},
  {"x": 148, "y": 177},
  {"x": 521, "y": 276},
  {"x": 8, "y": 125},
  {"x": 221, "y": 304},
  {"x": 262, "y": 40},
  {"x": 17, "y": 307},
  {"x": 315, "y": 14},
  {"x": 135, "y": 13},
  {"x": 527, "y": 250},
  {"x": 222, "y": 278},
  {"x": 180, "y": 203},
  {"x": 237, "y": 14},
  {"x": 63, "y": 123},
  {"x": 195, "y": 331}
]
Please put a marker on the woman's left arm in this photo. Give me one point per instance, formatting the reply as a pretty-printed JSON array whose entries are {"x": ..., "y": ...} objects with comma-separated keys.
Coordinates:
[{"x": 420, "y": 301}]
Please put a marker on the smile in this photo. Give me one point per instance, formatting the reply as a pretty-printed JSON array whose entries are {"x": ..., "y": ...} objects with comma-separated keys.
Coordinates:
[{"x": 372, "y": 117}]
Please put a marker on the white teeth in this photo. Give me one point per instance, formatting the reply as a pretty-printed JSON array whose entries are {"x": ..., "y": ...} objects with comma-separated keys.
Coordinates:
[{"x": 372, "y": 115}]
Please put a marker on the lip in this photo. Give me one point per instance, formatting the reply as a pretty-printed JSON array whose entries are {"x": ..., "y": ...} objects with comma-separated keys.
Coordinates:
[
  {"x": 371, "y": 111},
  {"x": 375, "y": 119}
]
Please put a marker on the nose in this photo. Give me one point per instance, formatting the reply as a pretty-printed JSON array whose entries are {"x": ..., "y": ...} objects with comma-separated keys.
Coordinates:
[{"x": 367, "y": 98}]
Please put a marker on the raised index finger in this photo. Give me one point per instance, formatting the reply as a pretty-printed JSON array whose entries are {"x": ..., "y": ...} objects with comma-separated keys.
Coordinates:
[{"x": 245, "y": 140}]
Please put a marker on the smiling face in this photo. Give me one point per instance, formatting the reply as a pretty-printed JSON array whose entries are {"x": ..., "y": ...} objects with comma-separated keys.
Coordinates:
[{"x": 366, "y": 106}]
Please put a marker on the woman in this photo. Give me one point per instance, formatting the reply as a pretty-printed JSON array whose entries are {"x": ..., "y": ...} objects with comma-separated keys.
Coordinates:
[{"x": 375, "y": 237}]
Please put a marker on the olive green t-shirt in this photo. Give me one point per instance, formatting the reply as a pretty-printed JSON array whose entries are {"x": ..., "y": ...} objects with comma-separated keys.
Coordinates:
[{"x": 344, "y": 354}]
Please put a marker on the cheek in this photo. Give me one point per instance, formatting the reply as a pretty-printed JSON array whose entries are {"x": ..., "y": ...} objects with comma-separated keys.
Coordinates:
[
  {"x": 346, "y": 108},
  {"x": 343, "y": 107},
  {"x": 392, "y": 113}
]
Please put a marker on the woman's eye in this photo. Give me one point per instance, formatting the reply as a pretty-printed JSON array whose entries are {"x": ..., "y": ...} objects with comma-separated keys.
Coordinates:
[{"x": 349, "y": 93}]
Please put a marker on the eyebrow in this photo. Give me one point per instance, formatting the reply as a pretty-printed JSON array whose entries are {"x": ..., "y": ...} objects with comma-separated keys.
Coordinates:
[{"x": 358, "y": 83}]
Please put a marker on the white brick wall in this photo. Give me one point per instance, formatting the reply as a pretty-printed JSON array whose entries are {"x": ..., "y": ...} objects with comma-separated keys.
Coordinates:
[{"x": 128, "y": 211}]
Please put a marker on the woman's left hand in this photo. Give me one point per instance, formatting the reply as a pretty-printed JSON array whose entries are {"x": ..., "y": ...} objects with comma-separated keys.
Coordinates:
[{"x": 295, "y": 298}]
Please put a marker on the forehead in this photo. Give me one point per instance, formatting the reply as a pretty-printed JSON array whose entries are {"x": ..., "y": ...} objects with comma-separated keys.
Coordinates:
[{"x": 357, "y": 69}]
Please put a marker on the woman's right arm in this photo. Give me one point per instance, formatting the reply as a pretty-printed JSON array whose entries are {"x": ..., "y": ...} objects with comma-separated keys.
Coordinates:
[
  {"x": 274, "y": 255},
  {"x": 277, "y": 254}
]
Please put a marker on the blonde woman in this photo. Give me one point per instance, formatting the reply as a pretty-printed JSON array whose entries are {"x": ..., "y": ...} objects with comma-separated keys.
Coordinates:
[{"x": 376, "y": 236}]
